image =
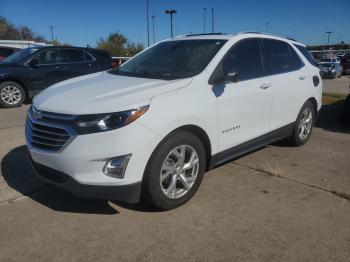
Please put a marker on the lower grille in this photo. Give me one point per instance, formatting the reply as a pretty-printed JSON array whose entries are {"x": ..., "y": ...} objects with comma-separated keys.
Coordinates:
[
  {"x": 49, "y": 173},
  {"x": 46, "y": 136}
]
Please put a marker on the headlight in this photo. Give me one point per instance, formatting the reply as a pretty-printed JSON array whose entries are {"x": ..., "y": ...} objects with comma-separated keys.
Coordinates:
[{"x": 87, "y": 124}]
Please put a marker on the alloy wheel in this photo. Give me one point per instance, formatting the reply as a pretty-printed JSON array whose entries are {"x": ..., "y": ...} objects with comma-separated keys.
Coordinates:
[
  {"x": 179, "y": 171},
  {"x": 305, "y": 123},
  {"x": 11, "y": 95}
]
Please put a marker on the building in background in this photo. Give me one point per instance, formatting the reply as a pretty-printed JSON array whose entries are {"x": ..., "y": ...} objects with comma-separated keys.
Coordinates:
[{"x": 21, "y": 44}]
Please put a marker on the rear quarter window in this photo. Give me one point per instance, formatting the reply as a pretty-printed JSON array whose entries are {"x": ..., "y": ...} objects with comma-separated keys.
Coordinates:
[{"x": 306, "y": 53}]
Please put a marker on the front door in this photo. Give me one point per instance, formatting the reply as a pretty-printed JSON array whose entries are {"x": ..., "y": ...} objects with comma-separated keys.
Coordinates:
[
  {"x": 46, "y": 72},
  {"x": 244, "y": 106}
]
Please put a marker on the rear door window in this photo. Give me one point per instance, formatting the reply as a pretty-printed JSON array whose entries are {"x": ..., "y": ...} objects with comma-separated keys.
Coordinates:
[
  {"x": 245, "y": 58},
  {"x": 72, "y": 56},
  {"x": 280, "y": 57}
]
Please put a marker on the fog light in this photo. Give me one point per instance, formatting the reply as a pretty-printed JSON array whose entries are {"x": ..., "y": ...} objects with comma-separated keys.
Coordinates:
[{"x": 115, "y": 167}]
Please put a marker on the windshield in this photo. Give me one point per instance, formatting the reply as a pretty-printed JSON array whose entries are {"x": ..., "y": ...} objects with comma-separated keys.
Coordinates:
[
  {"x": 172, "y": 59},
  {"x": 20, "y": 55}
]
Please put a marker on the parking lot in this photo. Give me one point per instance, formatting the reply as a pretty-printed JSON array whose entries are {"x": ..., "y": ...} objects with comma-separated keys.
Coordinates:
[{"x": 279, "y": 203}]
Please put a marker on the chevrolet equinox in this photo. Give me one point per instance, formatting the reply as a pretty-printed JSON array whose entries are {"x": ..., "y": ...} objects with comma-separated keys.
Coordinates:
[{"x": 149, "y": 129}]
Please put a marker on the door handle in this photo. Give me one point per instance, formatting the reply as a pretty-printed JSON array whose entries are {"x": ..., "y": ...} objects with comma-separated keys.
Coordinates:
[
  {"x": 302, "y": 77},
  {"x": 265, "y": 86}
]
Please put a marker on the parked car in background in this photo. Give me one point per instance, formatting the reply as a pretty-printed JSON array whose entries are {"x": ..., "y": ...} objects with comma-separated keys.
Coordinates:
[
  {"x": 7, "y": 51},
  {"x": 345, "y": 63},
  {"x": 119, "y": 60},
  {"x": 151, "y": 128},
  {"x": 31, "y": 70},
  {"x": 332, "y": 60},
  {"x": 330, "y": 70}
]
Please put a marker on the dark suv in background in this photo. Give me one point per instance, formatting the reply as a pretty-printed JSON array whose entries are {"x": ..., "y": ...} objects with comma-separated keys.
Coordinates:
[{"x": 27, "y": 72}]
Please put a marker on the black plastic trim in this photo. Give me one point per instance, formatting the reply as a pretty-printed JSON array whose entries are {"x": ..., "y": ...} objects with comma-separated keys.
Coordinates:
[
  {"x": 236, "y": 151},
  {"x": 127, "y": 193}
]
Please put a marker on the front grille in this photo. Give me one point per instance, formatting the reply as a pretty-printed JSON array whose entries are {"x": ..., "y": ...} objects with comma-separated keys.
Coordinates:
[{"x": 45, "y": 134}]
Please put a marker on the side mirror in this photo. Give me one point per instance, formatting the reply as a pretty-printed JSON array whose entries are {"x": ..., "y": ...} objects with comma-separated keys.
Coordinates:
[{"x": 34, "y": 62}]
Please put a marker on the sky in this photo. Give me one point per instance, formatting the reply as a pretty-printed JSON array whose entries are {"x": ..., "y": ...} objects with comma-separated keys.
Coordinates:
[{"x": 82, "y": 22}]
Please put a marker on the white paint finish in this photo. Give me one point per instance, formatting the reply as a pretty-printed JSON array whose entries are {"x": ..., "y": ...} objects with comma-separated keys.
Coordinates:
[
  {"x": 256, "y": 106},
  {"x": 244, "y": 110}
]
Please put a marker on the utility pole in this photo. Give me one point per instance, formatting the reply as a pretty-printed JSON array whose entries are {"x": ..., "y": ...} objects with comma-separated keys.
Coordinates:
[
  {"x": 267, "y": 25},
  {"x": 212, "y": 20},
  {"x": 204, "y": 14},
  {"x": 329, "y": 33},
  {"x": 171, "y": 12},
  {"x": 154, "y": 38},
  {"x": 51, "y": 29},
  {"x": 147, "y": 10}
]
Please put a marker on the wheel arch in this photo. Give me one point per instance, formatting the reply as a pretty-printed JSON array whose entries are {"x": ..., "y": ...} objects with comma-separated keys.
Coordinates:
[
  {"x": 203, "y": 137},
  {"x": 314, "y": 103}
]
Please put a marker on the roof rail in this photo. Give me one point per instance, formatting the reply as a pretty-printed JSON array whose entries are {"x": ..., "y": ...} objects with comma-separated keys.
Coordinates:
[
  {"x": 205, "y": 34},
  {"x": 270, "y": 34}
]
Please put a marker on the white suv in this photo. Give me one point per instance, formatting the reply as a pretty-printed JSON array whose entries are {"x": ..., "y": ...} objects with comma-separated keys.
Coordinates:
[{"x": 151, "y": 128}]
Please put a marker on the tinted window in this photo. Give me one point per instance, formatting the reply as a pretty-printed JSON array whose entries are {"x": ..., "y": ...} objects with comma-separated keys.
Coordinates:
[
  {"x": 48, "y": 56},
  {"x": 88, "y": 57},
  {"x": 72, "y": 55},
  {"x": 306, "y": 53},
  {"x": 278, "y": 56},
  {"x": 295, "y": 60},
  {"x": 245, "y": 57}
]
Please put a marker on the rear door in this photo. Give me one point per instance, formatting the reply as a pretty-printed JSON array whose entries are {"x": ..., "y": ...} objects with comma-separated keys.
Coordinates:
[
  {"x": 75, "y": 63},
  {"x": 290, "y": 80},
  {"x": 244, "y": 106}
]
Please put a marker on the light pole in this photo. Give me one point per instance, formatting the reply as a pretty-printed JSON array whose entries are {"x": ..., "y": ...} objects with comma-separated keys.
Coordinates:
[
  {"x": 267, "y": 25},
  {"x": 154, "y": 38},
  {"x": 212, "y": 20},
  {"x": 147, "y": 10},
  {"x": 171, "y": 12},
  {"x": 204, "y": 14},
  {"x": 329, "y": 34},
  {"x": 51, "y": 29}
]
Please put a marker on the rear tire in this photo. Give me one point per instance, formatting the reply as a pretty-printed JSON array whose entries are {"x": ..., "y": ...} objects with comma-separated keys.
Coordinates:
[
  {"x": 11, "y": 94},
  {"x": 303, "y": 125},
  {"x": 174, "y": 171}
]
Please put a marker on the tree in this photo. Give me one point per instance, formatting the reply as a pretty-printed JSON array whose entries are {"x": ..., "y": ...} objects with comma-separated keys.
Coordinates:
[
  {"x": 116, "y": 44},
  {"x": 8, "y": 31}
]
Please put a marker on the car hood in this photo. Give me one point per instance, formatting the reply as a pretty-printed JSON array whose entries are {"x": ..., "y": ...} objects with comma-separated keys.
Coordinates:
[{"x": 103, "y": 93}]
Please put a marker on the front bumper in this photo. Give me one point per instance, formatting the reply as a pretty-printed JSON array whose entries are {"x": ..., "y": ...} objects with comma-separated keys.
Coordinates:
[
  {"x": 80, "y": 164},
  {"x": 125, "y": 193}
]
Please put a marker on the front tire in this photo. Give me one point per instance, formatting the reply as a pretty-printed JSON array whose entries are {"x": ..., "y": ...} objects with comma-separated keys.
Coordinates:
[
  {"x": 11, "y": 94},
  {"x": 303, "y": 125},
  {"x": 174, "y": 171}
]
